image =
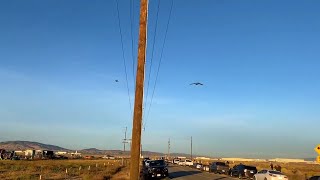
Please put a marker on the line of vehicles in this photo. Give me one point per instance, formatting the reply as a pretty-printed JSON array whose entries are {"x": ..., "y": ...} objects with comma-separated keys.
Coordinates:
[{"x": 240, "y": 171}]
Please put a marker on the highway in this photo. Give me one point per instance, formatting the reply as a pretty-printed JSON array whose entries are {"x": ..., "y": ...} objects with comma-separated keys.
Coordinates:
[{"x": 186, "y": 173}]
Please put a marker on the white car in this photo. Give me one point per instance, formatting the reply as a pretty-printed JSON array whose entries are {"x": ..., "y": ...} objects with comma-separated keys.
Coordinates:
[
  {"x": 198, "y": 166},
  {"x": 205, "y": 168},
  {"x": 181, "y": 163},
  {"x": 176, "y": 161},
  {"x": 147, "y": 163},
  {"x": 269, "y": 175},
  {"x": 188, "y": 162}
]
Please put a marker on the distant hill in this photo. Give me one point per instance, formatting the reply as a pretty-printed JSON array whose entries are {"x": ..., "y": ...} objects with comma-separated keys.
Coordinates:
[
  {"x": 94, "y": 151},
  {"x": 23, "y": 145}
]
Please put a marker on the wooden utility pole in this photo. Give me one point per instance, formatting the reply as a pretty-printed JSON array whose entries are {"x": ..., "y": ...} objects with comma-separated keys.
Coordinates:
[
  {"x": 191, "y": 148},
  {"x": 125, "y": 140},
  {"x": 138, "y": 102},
  {"x": 124, "y": 145},
  {"x": 168, "y": 150}
]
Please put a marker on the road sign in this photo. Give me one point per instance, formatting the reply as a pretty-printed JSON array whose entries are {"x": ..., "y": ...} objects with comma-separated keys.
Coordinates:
[
  {"x": 317, "y": 149},
  {"x": 318, "y": 159}
]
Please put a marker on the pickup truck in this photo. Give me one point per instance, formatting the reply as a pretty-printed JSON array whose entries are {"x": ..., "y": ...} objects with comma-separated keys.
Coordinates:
[
  {"x": 155, "y": 169},
  {"x": 219, "y": 167}
]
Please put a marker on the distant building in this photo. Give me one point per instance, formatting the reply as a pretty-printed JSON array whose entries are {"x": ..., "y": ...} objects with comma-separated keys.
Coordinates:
[
  {"x": 61, "y": 153},
  {"x": 287, "y": 160},
  {"x": 30, "y": 153},
  {"x": 19, "y": 153},
  {"x": 202, "y": 158},
  {"x": 108, "y": 157},
  {"x": 76, "y": 154},
  {"x": 181, "y": 157},
  {"x": 238, "y": 159}
]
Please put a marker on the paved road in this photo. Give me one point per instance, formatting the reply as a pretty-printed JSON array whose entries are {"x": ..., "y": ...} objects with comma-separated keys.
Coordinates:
[{"x": 186, "y": 173}]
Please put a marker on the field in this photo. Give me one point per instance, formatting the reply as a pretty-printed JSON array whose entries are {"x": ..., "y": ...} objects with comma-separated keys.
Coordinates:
[{"x": 61, "y": 169}]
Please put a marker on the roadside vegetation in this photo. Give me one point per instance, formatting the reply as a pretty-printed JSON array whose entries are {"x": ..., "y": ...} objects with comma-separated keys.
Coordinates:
[{"x": 61, "y": 169}]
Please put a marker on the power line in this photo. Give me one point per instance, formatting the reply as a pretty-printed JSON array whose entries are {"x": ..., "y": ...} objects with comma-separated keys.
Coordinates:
[
  {"x": 132, "y": 40},
  {"x": 161, "y": 54},
  {"x": 123, "y": 56},
  {"x": 152, "y": 54}
]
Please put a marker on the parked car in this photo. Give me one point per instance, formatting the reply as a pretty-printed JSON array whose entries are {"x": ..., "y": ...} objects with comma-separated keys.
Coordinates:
[
  {"x": 188, "y": 162},
  {"x": 181, "y": 163},
  {"x": 145, "y": 159},
  {"x": 243, "y": 171},
  {"x": 197, "y": 165},
  {"x": 219, "y": 167},
  {"x": 269, "y": 175},
  {"x": 176, "y": 161},
  {"x": 15, "y": 158},
  {"x": 156, "y": 169},
  {"x": 147, "y": 162},
  {"x": 89, "y": 157},
  {"x": 205, "y": 168},
  {"x": 314, "y": 178},
  {"x": 60, "y": 157}
]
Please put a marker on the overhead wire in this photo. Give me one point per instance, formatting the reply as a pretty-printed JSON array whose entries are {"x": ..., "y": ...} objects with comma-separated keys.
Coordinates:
[
  {"x": 160, "y": 60},
  {"x": 132, "y": 39},
  {"x": 123, "y": 55},
  {"x": 152, "y": 55}
]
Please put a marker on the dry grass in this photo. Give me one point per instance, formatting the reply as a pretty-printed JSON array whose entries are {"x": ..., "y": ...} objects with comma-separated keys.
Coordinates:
[
  {"x": 59, "y": 169},
  {"x": 122, "y": 175}
]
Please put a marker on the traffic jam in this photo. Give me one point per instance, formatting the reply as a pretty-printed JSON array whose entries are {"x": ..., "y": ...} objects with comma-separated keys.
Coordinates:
[{"x": 240, "y": 170}]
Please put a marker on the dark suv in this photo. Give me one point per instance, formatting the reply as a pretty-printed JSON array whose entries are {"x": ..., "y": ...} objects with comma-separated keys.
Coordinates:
[
  {"x": 243, "y": 171},
  {"x": 314, "y": 178},
  {"x": 156, "y": 169},
  {"x": 219, "y": 167}
]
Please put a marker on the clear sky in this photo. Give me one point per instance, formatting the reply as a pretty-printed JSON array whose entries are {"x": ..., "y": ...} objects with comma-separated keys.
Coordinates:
[{"x": 259, "y": 61}]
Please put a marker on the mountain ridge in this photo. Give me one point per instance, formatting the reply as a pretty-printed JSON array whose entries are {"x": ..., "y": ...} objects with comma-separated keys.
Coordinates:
[{"x": 24, "y": 145}]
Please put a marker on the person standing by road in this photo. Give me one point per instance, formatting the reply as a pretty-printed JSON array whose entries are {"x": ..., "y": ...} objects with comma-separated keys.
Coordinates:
[{"x": 271, "y": 166}]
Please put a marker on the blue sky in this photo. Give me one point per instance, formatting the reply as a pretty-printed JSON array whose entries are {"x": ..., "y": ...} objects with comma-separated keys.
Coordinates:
[{"x": 259, "y": 61}]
